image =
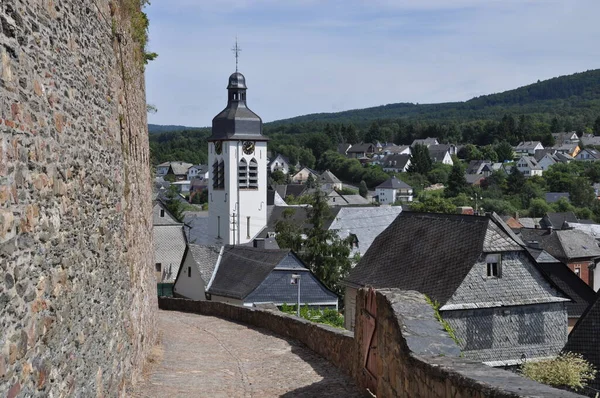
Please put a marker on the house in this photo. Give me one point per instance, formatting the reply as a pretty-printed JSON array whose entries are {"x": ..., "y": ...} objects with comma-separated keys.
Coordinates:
[
  {"x": 558, "y": 220},
  {"x": 197, "y": 186},
  {"x": 301, "y": 176},
  {"x": 199, "y": 171},
  {"x": 490, "y": 290},
  {"x": 329, "y": 181},
  {"x": 425, "y": 141},
  {"x": 280, "y": 163},
  {"x": 356, "y": 200},
  {"x": 440, "y": 154},
  {"x": 343, "y": 148},
  {"x": 179, "y": 170},
  {"x": 585, "y": 340},
  {"x": 162, "y": 169},
  {"x": 529, "y": 167},
  {"x": 548, "y": 157},
  {"x": 361, "y": 150},
  {"x": 364, "y": 224},
  {"x": 392, "y": 190},
  {"x": 588, "y": 155},
  {"x": 553, "y": 197},
  {"x": 474, "y": 179},
  {"x": 182, "y": 186},
  {"x": 567, "y": 149},
  {"x": 396, "y": 163},
  {"x": 590, "y": 140},
  {"x": 196, "y": 271},
  {"x": 483, "y": 167},
  {"x": 294, "y": 190},
  {"x": 580, "y": 293},
  {"x": 566, "y": 137},
  {"x": 578, "y": 250},
  {"x": 392, "y": 149},
  {"x": 169, "y": 243},
  {"x": 249, "y": 276},
  {"x": 528, "y": 148}
]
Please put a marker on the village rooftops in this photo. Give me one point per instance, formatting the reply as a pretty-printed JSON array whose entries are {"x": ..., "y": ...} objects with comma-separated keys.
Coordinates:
[{"x": 394, "y": 183}]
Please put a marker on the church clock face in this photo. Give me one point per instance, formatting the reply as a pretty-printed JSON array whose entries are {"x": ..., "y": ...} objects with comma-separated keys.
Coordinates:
[
  {"x": 248, "y": 147},
  {"x": 218, "y": 147}
]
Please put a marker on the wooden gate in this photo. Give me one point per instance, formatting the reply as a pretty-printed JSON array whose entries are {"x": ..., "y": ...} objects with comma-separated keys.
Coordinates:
[{"x": 369, "y": 340}]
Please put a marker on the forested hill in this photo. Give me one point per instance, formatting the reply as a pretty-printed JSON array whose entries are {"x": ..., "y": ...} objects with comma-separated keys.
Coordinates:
[{"x": 562, "y": 96}]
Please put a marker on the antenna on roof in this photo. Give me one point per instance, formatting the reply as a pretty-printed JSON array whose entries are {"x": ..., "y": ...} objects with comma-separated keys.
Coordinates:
[{"x": 236, "y": 50}]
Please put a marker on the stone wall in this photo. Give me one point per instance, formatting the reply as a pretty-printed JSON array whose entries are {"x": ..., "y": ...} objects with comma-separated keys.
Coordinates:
[
  {"x": 77, "y": 296},
  {"x": 415, "y": 356}
]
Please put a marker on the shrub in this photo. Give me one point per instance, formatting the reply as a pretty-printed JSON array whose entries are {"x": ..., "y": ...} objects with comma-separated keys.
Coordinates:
[{"x": 568, "y": 369}]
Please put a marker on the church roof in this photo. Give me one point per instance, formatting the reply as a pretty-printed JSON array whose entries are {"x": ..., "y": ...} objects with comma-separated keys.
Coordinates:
[{"x": 237, "y": 121}]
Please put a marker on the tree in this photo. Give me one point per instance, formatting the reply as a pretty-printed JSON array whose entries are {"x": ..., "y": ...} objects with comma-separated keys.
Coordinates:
[
  {"x": 456, "y": 181},
  {"x": 433, "y": 204},
  {"x": 310, "y": 181},
  {"x": 538, "y": 208},
  {"x": 515, "y": 180},
  {"x": 581, "y": 192},
  {"x": 173, "y": 203},
  {"x": 555, "y": 126},
  {"x": 489, "y": 153},
  {"x": 278, "y": 177},
  {"x": 420, "y": 162},
  {"x": 504, "y": 151},
  {"x": 597, "y": 126},
  {"x": 362, "y": 189},
  {"x": 567, "y": 370}
]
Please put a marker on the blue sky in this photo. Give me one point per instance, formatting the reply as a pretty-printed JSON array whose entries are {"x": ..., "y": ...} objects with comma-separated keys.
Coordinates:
[{"x": 308, "y": 56}]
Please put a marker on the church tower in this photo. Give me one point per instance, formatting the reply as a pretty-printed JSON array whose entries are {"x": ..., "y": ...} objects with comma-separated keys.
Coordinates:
[{"x": 237, "y": 160}]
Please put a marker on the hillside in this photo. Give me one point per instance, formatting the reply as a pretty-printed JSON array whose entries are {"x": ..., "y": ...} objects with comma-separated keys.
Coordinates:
[{"x": 564, "y": 96}]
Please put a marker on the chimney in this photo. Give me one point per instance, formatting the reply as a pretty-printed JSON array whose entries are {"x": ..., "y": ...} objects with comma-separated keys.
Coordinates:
[{"x": 259, "y": 243}]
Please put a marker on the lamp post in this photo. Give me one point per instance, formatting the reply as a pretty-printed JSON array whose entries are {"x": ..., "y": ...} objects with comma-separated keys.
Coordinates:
[
  {"x": 296, "y": 281},
  {"x": 476, "y": 197}
]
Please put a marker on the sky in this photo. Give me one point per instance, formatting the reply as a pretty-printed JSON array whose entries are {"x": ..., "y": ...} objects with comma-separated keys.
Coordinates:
[{"x": 311, "y": 56}]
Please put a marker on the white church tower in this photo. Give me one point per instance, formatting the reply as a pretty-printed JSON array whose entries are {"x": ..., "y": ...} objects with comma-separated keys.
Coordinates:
[{"x": 237, "y": 159}]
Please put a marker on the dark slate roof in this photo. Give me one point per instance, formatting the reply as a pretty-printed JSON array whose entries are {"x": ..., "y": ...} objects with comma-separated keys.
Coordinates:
[
  {"x": 427, "y": 252},
  {"x": 237, "y": 121},
  {"x": 242, "y": 269},
  {"x": 205, "y": 258},
  {"x": 167, "y": 219},
  {"x": 581, "y": 294},
  {"x": 438, "y": 152},
  {"x": 585, "y": 338},
  {"x": 553, "y": 197},
  {"x": 564, "y": 245},
  {"x": 393, "y": 183},
  {"x": 329, "y": 178},
  {"x": 276, "y": 287},
  {"x": 396, "y": 161},
  {"x": 476, "y": 166},
  {"x": 360, "y": 148},
  {"x": 557, "y": 220},
  {"x": 424, "y": 141}
]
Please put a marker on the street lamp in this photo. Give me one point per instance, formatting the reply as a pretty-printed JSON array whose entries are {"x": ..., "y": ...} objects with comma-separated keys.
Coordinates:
[
  {"x": 476, "y": 198},
  {"x": 296, "y": 281}
]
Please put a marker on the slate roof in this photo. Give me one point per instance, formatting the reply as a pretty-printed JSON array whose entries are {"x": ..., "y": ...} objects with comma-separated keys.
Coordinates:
[
  {"x": 557, "y": 220},
  {"x": 527, "y": 145},
  {"x": 284, "y": 158},
  {"x": 290, "y": 189},
  {"x": 565, "y": 245},
  {"x": 553, "y": 197},
  {"x": 473, "y": 178},
  {"x": 168, "y": 218},
  {"x": 364, "y": 222},
  {"x": 476, "y": 166},
  {"x": 169, "y": 243},
  {"x": 391, "y": 149},
  {"x": 532, "y": 164},
  {"x": 590, "y": 140},
  {"x": 585, "y": 338},
  {"x": 180, "y": 168},
  {"x": 360, "y": 148},
  {"x": 328, "y": 177},
  {"x": 581, "y": 294},
  {"x": 355, "y": 200},
  {"x": 425, "y": 141},
  {"x": 395, "y": 161},
  {"x": 296, "y": 215},
  {"x": 427, "y": 252},
  {"x": 205, "y": 258},
  {"x": 593, "y": 153},
  {"x": 343, "y": 148},
  {"x": 393, "y": 183},
  {"x": 438, "y": 152},
  {"x": 529, "y": 222}
]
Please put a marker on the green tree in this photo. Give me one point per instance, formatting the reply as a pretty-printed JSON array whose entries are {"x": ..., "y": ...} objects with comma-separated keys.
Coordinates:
[
  {"x": 489, "y": 153},
  {"x": 174, "y": 204},
  {"x": 515, "y": 180},
  {"x": 433, "y": 204},
  {"x": 288, "y": 233},
  {"x": 420, "y": 162},
  {"x": 362, "y": 189},
  {"x": 581, "y": 192},
  {"x": 597, "y": 126},
  {"x": 278, "y": 177},
  {"x": 504, "y": 151},
  {"x": 538, "y": 208},
  {"x": 310, "y": 181},
  {"x": 567, "y": 370},
  {"x": 456, "y": 181}
]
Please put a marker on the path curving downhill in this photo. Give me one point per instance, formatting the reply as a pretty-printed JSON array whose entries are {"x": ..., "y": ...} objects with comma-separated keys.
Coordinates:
[{"x": 204, "y": 356}]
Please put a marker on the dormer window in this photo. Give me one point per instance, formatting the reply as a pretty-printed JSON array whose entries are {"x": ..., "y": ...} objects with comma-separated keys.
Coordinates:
[
  {"x": 162, "y": 212},
  {"x": 494, "y": 265}
]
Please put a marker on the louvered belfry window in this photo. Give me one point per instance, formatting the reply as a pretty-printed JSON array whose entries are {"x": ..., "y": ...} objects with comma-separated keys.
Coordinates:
[
  {"x": 221, "y": 175},
  {"x": 215, "y": 174},
  {"x": 253, "y": 174},
  {"x": 243, "y": 174}
]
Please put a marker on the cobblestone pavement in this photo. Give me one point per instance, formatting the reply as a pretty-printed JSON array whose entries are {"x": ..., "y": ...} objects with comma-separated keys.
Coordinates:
[{"x": 205, "y": 356}]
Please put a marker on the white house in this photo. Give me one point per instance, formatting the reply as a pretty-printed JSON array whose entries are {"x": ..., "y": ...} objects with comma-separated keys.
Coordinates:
[
  {"x": 440, "y": 154},
  {"x": 280, "y": 163},
  {"x": 547, "y": 161},
  {"x": 198, "y": 171},
  {"x": 528, "y": 147},
  {"x": 425, "y": 141},
  {"x": 301, "y": 176},
  {"x": 388, "y": 192},
  {"x": 529, "y": 167},
  {"x": 169, "y": 243},
  {"x": 196, "y": 271},
  {"x": 162, "y": 169},
  {"x": 588, "y": 155},
  {"x": 396, "y": 163},
  {"x": 329, "y": 180}
]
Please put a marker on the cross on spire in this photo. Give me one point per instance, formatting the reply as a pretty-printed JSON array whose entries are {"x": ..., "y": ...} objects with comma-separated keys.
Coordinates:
[{"x": 236, "y": 49}]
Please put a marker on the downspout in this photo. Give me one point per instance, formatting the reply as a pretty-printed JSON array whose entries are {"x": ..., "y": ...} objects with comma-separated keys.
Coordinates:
[{"x": 212, "y": 277}]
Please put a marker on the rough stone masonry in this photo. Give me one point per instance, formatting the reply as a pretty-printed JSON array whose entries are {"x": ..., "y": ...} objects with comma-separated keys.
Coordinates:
[{"x": 77, "y": 296}]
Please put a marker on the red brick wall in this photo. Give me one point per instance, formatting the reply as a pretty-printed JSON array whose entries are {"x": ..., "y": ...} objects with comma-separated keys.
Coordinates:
[{"x": 584, "y": 267}]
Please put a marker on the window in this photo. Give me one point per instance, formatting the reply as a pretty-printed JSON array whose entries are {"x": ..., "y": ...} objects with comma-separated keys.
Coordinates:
[
  {"x": 221, "y": 174},
  {"x": 248, "y": 227},
  {"x": 158, "y": 267},
  {"x": 215, "y": 174},
  {"x": 162, "y": 212},
  {"x": 578, "y": 271},
  {"x": 493, "y": 262},
  {"x": 253, "y": 174},
  {"x": 189, "y": 272},
  {"x": 243, "y": 174}
]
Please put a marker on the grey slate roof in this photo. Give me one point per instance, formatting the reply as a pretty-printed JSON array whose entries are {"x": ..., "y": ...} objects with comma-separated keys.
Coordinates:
[
  {"x": 553, "y": 197},
  {"x": 532, "y": 164},
  {"x": 438, "y": 152},
  {"x": 527, "y": 145},
  {"x": 362, "y": 147},
  {"x": 167, "y": 219},
  {"x": 393, "y": 183},
  {"x": 395, "y": 161},
  {"x": 557, "y": 220},
  {"x": 529, "y": 222},
  {"x": 294, "y": 190},
  {"x": 427, "y": 252},
  {"x": 590, "y": 140},
  {"x": 205, "y": 258},
  {"x": 425, "y": 141},
  {"x": 565, "y": 245},
  {"x": 355, "y": 200},
  {"x": 328, "y": 177},
  {"x": 476, "y": 166},
  {"x": 473, "y": 178},
  {"x": 296, "y": 215},
  {"x": 585, "y": 338},
  {"x": 169, "y": 246},
  {"x": 180, "y": 168},
  {"x": 581, "y": 294}
]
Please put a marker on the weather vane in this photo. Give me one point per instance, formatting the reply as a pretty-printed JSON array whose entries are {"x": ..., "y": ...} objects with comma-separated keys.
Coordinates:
[{"x": 236, "y": 50}]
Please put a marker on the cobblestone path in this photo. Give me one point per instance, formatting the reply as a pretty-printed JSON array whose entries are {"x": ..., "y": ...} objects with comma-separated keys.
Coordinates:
[{"x": 205, "y": 356}]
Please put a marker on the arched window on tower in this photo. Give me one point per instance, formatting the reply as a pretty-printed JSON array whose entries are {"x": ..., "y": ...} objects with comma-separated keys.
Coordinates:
[
  {"x": 221, "y": 174},
  {"x": 215, "y": 174},
  {"x": 253, "y": 174},
  {"x": 243, "y": 174}
]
